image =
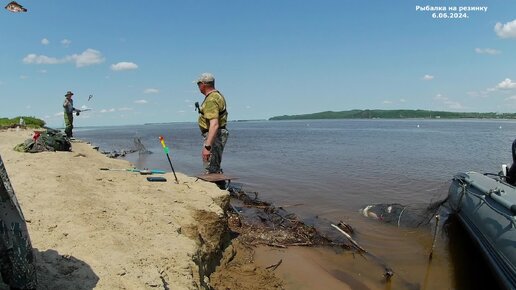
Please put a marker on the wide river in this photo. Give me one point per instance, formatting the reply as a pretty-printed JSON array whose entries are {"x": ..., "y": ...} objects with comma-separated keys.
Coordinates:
[{"x": 330, "y": 169}]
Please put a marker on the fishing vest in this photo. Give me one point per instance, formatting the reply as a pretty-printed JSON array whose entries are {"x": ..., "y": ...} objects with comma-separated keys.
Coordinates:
[
  {"x": 213, "y": 106},
  {"x": 68, "y": 106}
]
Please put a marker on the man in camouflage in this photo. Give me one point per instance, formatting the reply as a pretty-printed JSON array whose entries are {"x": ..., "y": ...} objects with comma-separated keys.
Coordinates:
[
  {"x": 213, "y": 118},
  {"x": 68, "y": 114},
  {"x": 16, "y": 258}
]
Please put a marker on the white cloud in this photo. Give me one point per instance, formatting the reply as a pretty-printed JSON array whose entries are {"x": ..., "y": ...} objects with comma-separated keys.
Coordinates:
[
  {"x": 43, "y": 71},
  {"x": 450, "y": 104},
  {"x": 86, "y": 58},
  {"x": 427, "y": 77},
  {"x": 151, "y": 91},
  {"x": 59, "y": 114},
  {"x": 506, "y": 84},
  {"x": 23, "y": 77},
  {"x": 402, "y": 100},
  {"x": 66, "y": 42},
  {"x": 121, "y": 66},
  {"x": 387, "y": 102},
  {"x": 107, "y": 110},
  {"x": 507, "y": 30},
  {"x": 440, "y": 97},
  {"x": 140, "y": 102},
  {"x": 481, "y": 94},
  {"x": 45, "y": 41},
  {"x": 512, "y": 98},
  {"x": 41, "y": 59},
  {"x": 490, "y": 51},
  {"x": 125, "y": 109},
  {"x": 454, "y": 105}
]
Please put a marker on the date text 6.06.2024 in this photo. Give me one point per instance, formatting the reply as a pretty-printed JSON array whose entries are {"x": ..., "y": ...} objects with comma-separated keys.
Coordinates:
[{"x": 444, "y": 15}]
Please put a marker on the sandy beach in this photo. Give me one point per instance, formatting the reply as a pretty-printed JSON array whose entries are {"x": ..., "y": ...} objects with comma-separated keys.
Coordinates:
[{"x": 95, "y": 229}]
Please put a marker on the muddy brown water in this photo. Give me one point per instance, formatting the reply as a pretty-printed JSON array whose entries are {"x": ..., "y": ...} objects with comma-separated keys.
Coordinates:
[
  {"x": 330, "y": 169},
  {"x": 455, "y": 263}
]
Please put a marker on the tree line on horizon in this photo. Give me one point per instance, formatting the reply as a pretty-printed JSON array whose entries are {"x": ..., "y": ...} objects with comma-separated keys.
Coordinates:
[
  {"x": 396, "y": 114},
  {"x": 30, "y": 122}
]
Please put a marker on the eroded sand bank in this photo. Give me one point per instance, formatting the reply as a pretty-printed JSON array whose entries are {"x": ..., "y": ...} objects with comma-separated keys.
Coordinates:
[{"x": 114, "y": 229}]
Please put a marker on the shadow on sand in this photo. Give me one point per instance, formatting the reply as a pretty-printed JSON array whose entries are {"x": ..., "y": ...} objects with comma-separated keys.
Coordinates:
[{"x": 55, "y": 271}]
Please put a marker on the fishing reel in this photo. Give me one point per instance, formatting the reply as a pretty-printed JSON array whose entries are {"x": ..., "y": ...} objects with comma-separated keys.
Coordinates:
[{"x": 197, "y": 108}]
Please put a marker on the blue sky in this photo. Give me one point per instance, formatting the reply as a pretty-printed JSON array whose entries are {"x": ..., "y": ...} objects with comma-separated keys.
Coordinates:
[{"x": 270, "y": 57}]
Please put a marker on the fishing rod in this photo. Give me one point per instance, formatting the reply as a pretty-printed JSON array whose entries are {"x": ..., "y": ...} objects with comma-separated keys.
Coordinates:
[
  {"x": 84, "y": 110},
  {"x": 437, "y": 217},
  {"x": 167, "y": 150},
  {"x": 78, "y": 112},
  {"x": 141, "y": 171}
]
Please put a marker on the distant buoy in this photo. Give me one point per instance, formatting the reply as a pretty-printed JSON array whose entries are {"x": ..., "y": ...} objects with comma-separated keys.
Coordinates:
[
  {"x": 500, "y": 127},
  {"x": 418, "y": 125}
]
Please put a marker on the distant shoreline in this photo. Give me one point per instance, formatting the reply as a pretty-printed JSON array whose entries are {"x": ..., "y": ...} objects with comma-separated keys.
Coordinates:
[
  {"x": 395, "y": 114},
  {"x": 229, "y": 121},
  {"x": 363, "y": 119},
  {"x": 300, "y": 119}
]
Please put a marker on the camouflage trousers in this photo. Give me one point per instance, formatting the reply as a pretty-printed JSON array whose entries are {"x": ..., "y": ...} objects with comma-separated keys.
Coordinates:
[
  {"x": 68, "y": 118},
  {"x": 217, "y": 148}
]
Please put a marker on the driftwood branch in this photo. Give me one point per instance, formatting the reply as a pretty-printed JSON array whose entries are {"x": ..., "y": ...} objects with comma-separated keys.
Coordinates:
[
  {"x": 275, "y": 265},
  {"x": 357, "y": 246},
  {"x": 274, "y": 245},
  {"x": 290, "y": 205}
]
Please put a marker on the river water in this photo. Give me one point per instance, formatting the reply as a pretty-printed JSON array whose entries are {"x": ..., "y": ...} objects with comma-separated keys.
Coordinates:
[{"x": 329, "y": 169}]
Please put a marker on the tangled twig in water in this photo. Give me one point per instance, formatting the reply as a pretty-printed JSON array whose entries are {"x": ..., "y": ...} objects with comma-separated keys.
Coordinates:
[{"x": 259, "y": 222}]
